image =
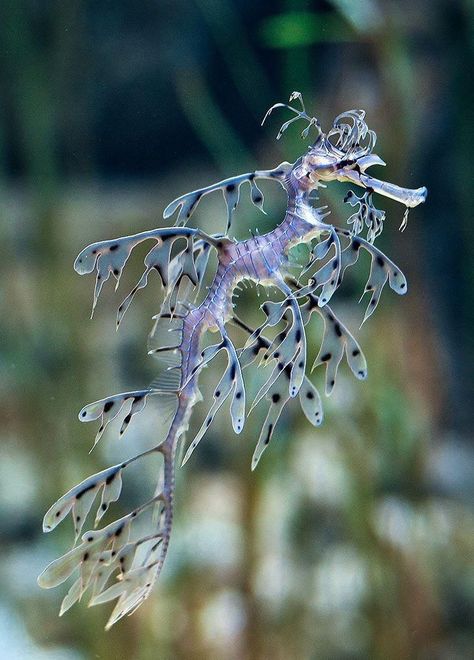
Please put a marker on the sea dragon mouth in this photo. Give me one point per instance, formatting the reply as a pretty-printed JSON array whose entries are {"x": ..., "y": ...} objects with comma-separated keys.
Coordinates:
[{"x": 410, "y": 197}]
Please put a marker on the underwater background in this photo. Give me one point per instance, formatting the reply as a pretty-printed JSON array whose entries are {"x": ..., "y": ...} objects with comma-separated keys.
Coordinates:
[{"x": 351, "y": 541}]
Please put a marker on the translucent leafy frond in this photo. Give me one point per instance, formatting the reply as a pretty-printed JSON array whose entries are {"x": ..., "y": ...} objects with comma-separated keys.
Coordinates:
[
  {"x": 336, "y": 340},
  {"x": 79, "y": 500},
  {"x": 230, "y": 189},
  {"x": 109, "y": 258},
  {"x": 277, "y": 393},
  {"x": 111, "y": 550},
  {"x": 366, "y": 215},
  {"x": 328, "y": 276},
  {"x": 278, "y": 396},
  {"x": 351, "y": 134},
  {"x": 230, "y": 383},
  {"x": 382, "y": 269},
  {"x": 299, "y": 114},
  {"x": 107, "y": 409}
]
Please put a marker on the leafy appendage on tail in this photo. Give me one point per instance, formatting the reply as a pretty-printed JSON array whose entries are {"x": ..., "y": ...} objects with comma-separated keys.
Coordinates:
[{"x": 119, "y": 561}]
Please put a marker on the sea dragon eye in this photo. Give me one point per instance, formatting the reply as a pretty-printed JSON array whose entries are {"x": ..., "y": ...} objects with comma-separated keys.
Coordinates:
[{"x": 119, "y": 561}]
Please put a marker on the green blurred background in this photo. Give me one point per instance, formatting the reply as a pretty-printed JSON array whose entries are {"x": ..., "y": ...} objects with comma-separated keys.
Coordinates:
[{"x": 350, "y": 541}]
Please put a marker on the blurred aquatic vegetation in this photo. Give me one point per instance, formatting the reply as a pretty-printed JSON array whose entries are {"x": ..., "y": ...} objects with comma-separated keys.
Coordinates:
[{"x": 358, "y": 542}]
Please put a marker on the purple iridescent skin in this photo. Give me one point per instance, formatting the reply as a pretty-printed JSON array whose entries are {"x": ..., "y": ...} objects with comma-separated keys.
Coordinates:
[{"x": 120, "y": 550}]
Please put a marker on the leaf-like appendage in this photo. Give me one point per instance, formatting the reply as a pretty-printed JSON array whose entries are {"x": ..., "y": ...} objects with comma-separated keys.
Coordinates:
[
  {"x": 80, "y": 499},
  {"x": 107, "y": 409},
  {"x": 382, "y": 269},
  {"x": 336, "y": 340},
  {"x": 231, "y": 382},
  {"x": 278, "y": 396},
  {"x": 230, "y": 189}
]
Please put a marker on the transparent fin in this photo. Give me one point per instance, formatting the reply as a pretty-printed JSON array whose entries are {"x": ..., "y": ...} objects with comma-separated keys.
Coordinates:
[
  {"x": 186, "y": 204},
  {"x": 107, "y": 409},
  {"x": 278, "y": 397}
]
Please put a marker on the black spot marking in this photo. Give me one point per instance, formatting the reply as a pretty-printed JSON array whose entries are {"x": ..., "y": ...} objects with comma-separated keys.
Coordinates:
[
  {"x": 86, "y": 556},
  {"x": 326, "y": 357},
  {"x": 380, "y": 261},
  {"x": 208, "y": 421},
  {"x": 114, "y": 247},
  {"x": 298, "y": 335},
  {"x": 238, "y": 395},
  {"x": 337, "y": 330},
  {"x": 269, "y": 434},
  {"x": 230, "y": 187},
  {"x": 85, "y": 490},
  {"x": 355, "y": 244},
  {"x": 116, "y": 271},
  {"x": 233, "y": 370},
  {"x": 119, "y": 531},
  {"x": 108, "y": 405},
  {"x": 355, "y": 352},
  {"x": 110, "y": 478},
  {"x": 300, "y": 364},
  {"x": 257, "y": 199},
  {"x": 276, "y": 397},
  {"x": 310, "y": 395},
  {"x": 332, "y": 383},
  {"x": 217, "y": 394},
  {"x": 83, "y": 413}
]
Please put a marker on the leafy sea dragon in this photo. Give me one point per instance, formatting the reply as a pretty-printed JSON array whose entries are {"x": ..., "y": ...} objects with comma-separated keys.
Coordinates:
[{"x": 133, "y": 548}]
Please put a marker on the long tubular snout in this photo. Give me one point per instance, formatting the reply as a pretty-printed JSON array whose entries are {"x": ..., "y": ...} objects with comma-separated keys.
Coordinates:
[{"x": 407, "y": 196}]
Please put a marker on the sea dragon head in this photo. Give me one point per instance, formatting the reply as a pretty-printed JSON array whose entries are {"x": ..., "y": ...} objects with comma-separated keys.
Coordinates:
[{"x": 344, "y": 154}]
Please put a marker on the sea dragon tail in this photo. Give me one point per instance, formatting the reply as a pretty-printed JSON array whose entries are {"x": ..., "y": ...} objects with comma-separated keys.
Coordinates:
[{"x": 120, "y": 549}]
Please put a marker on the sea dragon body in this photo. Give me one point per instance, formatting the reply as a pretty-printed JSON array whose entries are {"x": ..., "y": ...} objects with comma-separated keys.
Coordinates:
[{"x": 343, "y": 154}]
